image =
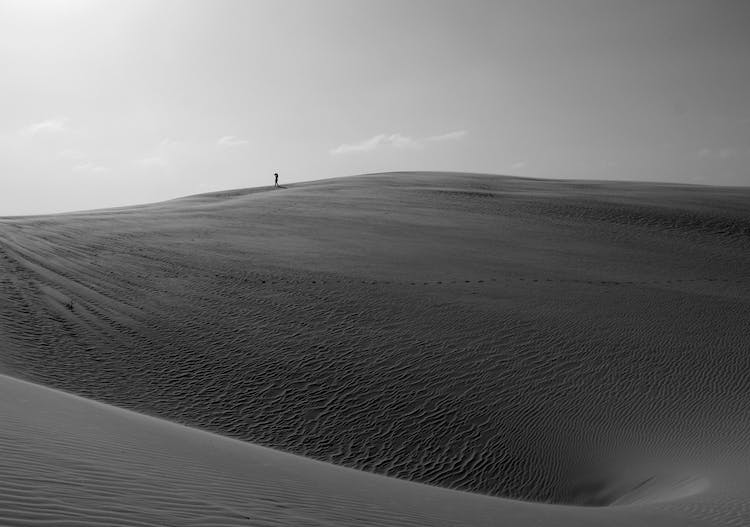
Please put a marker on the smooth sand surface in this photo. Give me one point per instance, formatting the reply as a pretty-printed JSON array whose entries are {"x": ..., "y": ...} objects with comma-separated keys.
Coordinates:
[{"x": 577, "y": 343}]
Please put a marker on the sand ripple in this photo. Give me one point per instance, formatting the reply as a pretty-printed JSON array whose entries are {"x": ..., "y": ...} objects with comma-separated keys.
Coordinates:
[{"x": 547, "y": 341}]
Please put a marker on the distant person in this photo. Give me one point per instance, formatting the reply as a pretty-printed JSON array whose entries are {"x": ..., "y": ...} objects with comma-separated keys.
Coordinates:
[{"x": 275, "y": 180}]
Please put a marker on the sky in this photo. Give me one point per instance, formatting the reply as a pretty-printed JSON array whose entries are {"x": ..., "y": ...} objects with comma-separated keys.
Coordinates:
[{"x": 115, "y": 102}]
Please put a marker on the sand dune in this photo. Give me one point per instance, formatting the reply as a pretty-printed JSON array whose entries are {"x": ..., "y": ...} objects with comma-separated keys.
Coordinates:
[
  {"x": 577, "y": 343},
  {"x": 72, "y": 461}
]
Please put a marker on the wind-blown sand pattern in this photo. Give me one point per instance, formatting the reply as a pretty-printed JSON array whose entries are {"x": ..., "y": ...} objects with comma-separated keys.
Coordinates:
[
  {"x": 71, "y": 461},
  {"x": 550, "y": 342}
]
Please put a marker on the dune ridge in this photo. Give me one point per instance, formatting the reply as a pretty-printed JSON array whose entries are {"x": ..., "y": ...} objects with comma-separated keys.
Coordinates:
[{"x": 550, "y": 341}]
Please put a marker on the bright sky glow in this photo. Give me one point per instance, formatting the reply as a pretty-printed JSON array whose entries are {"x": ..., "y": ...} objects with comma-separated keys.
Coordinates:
[{"x": 112, "y": 102}]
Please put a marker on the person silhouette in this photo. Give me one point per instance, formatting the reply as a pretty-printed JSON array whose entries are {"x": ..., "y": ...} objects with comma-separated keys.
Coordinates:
[{"x": 275, "y": 180}]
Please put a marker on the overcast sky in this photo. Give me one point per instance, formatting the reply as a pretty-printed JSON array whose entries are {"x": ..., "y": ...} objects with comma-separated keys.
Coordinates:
[{"x": 119, "y": 102}]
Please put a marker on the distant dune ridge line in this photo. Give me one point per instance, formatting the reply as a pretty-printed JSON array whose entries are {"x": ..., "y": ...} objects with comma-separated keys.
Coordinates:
[{"x": 566, "y": 342}]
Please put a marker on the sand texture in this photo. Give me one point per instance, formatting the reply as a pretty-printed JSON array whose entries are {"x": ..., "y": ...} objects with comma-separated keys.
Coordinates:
[{"x": 546, "y": 352}]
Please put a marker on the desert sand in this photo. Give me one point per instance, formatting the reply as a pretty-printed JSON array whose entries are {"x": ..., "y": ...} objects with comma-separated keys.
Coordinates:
[{"x": 504, "y": 351}]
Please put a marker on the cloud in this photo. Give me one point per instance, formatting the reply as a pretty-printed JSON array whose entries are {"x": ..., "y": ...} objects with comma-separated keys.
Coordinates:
[
  {"x": 170, "y": 144},
  {"x": 89, "y": 168},
  {"x": 50, "y": 126},
  {"x": 362, "y": 146},
  {"x": 394, "y": 141},
  {"x": 82, "y": 163},
  {"x": 229, "y": 141},
  {"x": 450, "y": 136},
  {"x": 518, "y": 165},
  {"x": 401, "y": 141}
]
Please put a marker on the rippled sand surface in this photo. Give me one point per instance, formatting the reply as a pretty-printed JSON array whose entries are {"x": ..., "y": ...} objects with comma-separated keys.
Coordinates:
[{"x": 556, "y": 350}]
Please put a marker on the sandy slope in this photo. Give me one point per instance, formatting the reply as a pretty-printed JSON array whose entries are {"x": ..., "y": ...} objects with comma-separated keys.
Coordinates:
[
  {"x": 71, "y": 461},
  {"x": 569, "y": 342}
]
